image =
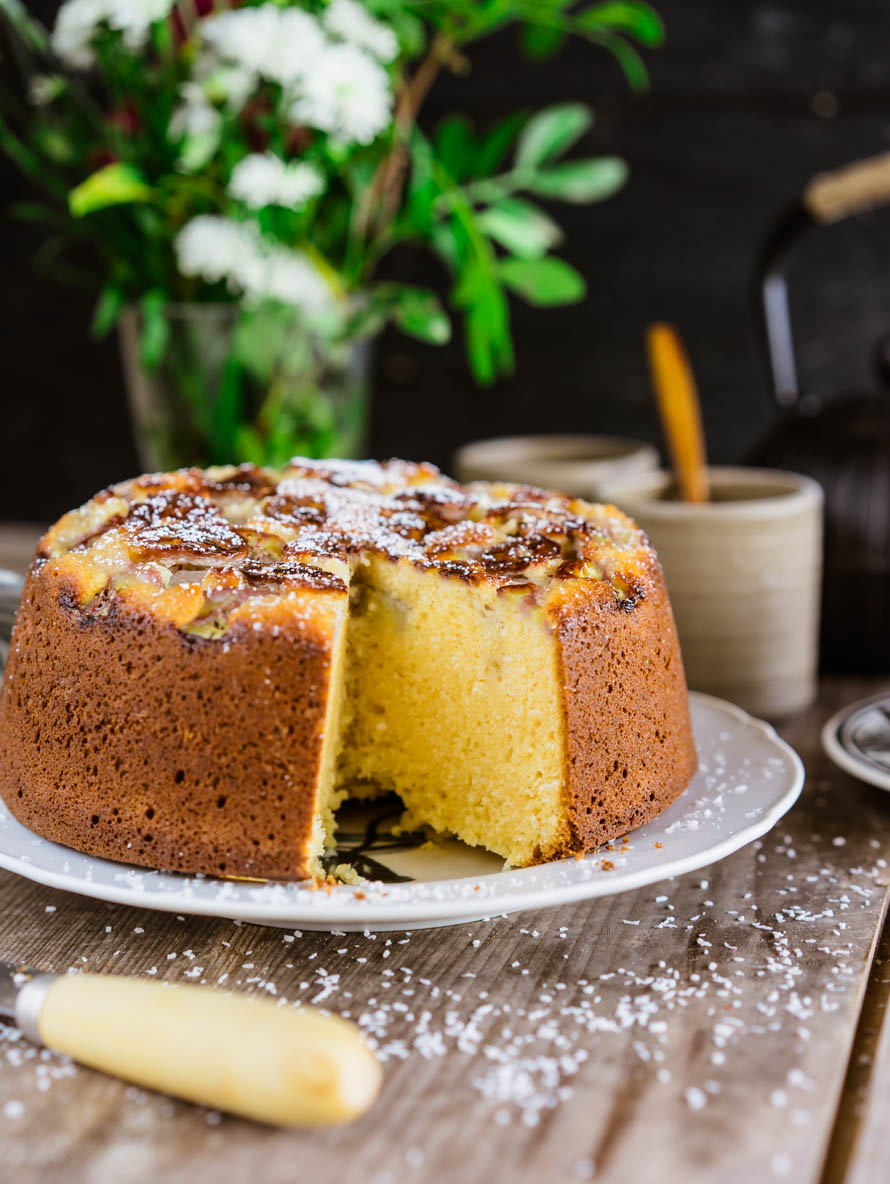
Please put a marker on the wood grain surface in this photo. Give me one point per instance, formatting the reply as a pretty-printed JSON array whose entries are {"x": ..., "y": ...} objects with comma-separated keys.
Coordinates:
[
  {"x": 859, "y": 1151},
  {"x": 696, "y": 1030}
]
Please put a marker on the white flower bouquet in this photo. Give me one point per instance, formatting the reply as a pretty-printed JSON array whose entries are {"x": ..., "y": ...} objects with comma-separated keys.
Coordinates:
[{"x": 261, "y": 159}]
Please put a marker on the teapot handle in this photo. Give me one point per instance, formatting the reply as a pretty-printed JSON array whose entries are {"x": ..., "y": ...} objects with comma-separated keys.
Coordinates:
[
  {"x": 851, "y": 189},
  {"x": 827, "y": 198}
]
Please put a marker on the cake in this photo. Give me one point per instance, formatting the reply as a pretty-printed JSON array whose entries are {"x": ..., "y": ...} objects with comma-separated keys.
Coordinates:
[{"x": 206, "y": 663}]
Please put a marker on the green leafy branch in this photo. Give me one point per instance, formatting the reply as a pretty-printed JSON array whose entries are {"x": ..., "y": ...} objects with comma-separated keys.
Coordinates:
[
  {"x": 491, "y": 240},
  {"x": 116, "y": 179}
]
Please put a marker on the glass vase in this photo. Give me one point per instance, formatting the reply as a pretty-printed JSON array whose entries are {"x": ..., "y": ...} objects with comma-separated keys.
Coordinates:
[{"x": 228, "y": 384}]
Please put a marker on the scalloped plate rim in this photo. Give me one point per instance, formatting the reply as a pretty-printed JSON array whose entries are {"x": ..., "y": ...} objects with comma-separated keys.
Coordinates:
[{"x": 342, "y": 909}]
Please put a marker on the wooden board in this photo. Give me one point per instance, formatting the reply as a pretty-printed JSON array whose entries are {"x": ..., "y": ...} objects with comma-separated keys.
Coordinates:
[
  {"x": 860, "y": 1150},
  {"x": 691, "y": 1031}
]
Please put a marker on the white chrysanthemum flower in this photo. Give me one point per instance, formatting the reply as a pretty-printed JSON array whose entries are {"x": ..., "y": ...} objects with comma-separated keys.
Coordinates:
[
  {"x": 194, "y": 116},
  {"x": 336, "y": 87},
  {"x": 213, "y": 248},
  {"x": 231, "y": 85},
  {"x": 198, "y": 124},
  {"x": 217, "y": 249},
  {"x": 279, "y": 44},
  {"x": 351, "y": 20},
  {"x": 134, "y": 18},
  {"x": 300, "y": 41},
  {"x": 221, "y": 83},
  {"x": 346, "y": 94},
  {"x": 263, "y": 179},
  {"x": 76, "y": 23},
  {"x": 78, "y": 20},
  {"x": 291, "y": 278},
  {"x": 244, "y": 35}
]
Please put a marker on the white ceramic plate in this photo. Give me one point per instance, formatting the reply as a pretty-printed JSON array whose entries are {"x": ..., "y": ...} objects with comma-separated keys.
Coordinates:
[
  {"x": 857, "y": 739},
  {"x": 748, "y": 778}
]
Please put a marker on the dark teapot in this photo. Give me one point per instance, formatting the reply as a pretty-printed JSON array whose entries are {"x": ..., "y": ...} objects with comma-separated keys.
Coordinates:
[{"x": 843, "y": 442}]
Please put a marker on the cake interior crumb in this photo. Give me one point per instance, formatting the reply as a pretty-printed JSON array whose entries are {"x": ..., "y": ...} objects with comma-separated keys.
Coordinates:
[{"x": 431, "y": 701}]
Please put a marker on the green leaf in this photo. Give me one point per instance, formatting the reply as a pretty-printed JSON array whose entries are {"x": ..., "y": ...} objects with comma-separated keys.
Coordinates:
[
  {"x": 54, "y": 144},
  {"x": 624, "y": 53},
  {"x": 635, "y": 19},
  {"x": 551, "y": 132},
  {"x": 422, "y": 188},
  {"x": 477, "y": 339},
  {"x": 494, "y": 145},
  {"x": 410, "y": 31},
  {"x": 34, "y": 211},
  {"x": 408, "y": 28},
  {"x": 581, "y": 180},
  {"x": 366, "y": 321},
  {"x": 31, "y": 32},
  {"x": 544, "y": 282},
  {"x": 115, "y": 184},
  {"x": 521, "y": 227},
  {"x": 479, "y": 293},
  {"x": 108, "y": 308},
  {"x": 28, "y": 161},
  {"x": 455, "y": 146},
  {"x": 418, "y": 313},
  {"x": 155, "y": 329},
  {"x": 227, "y": 413},
  {"x": 444, "y": 244},
  {"x": 541, "y": 41},
  {"x": 249, "y": 446}
]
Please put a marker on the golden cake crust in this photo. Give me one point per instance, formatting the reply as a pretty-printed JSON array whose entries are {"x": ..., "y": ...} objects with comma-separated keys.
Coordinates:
[
  {"x": 127, "y": 739},
  {"x": 629, "y": 750},
  {"x": 172, "y": 661}
]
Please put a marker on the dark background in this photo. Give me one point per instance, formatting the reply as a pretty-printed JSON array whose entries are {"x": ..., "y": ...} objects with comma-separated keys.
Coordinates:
[{"x": 748, "y": 101}]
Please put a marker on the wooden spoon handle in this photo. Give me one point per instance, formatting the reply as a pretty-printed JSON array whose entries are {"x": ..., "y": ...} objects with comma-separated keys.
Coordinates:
[{"x": 678, "y": 406}]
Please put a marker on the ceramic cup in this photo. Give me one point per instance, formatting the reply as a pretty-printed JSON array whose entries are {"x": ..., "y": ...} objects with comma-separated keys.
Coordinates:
[
  {"x": 743, "y": 573},
  {"x": 571, "y": 464}
]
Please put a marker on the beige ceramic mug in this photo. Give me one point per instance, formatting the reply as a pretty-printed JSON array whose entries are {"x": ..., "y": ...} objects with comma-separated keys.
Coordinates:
[
  {"x": 743, "y": 572},
  {"x": 573, "y": 464}
]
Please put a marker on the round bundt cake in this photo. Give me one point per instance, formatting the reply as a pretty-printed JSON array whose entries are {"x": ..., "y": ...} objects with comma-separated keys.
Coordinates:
[{"x": 207, "y": 662}]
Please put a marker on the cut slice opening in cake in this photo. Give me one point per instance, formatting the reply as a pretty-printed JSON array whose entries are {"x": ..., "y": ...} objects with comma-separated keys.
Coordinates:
[{"x": 432, "y": 699}]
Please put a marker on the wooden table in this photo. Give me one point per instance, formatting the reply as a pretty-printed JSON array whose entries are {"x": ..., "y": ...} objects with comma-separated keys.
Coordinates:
[{"x": 723, "y": 1026}]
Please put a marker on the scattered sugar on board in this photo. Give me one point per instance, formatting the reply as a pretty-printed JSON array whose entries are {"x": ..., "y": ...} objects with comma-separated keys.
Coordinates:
[
  {"x": 525, "y": 1043},
  {"x": 527, "y": 1039}
]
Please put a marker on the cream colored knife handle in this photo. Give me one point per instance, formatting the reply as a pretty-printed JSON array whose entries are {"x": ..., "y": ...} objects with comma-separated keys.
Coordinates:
[{"x": 250, "y": 1057}]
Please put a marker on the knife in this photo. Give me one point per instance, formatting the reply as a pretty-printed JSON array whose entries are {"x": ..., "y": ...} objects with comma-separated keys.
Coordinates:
[{"x": 281, "y": 1065}]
